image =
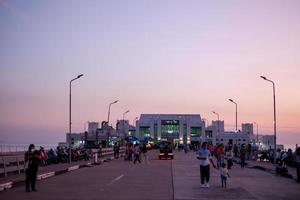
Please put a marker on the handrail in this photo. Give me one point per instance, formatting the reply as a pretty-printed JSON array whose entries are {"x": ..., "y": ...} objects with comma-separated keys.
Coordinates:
[{"x": 9, "y": 163}]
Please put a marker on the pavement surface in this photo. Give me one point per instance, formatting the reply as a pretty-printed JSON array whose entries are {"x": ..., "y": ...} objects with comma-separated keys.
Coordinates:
[
  {"x": 160, "y": 179},
  {"x": 245, "y": 183},
  {"x": 42, "y": 169}
]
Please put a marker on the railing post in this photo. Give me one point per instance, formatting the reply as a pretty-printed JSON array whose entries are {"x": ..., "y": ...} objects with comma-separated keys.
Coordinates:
[
  {"x": 4, "y": 166},
  {"x": 18, "y": 164}
]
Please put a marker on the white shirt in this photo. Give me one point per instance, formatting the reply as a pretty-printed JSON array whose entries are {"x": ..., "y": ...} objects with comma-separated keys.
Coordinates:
[{"x": 204, "y": 153}]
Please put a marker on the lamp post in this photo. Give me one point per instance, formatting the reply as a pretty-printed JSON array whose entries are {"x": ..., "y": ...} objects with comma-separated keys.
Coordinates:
[
  {"x": 108, "y": 129},
  {"x": 134, "y": 121},
  {"x": 218, "y": 120},
  {"x": 85, "y": 123},
  {"x": 109, "y": 110},
  {"x": 125, "y": 114},
  {"x": 236, "y": 131},
  {"x": 206, "y": 121},
  {"x": 274, "y": 106},
  {"x": 256, "y": 132},
  {"x": 235, "y": 113},
  {"x": 70, "y": 115}
]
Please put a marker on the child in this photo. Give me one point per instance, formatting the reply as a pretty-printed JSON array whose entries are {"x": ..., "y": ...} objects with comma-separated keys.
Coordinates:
[{"x": 224, "y": 174}]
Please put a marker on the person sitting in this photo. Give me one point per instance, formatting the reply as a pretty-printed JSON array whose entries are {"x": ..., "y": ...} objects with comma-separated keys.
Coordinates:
[
  {"x": 281, "y": 168},
  {"x": 52, "y": 155}
]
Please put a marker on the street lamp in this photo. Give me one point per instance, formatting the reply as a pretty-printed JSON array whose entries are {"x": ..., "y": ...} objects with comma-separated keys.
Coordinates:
[
  {"x": 125, "y": 114},
  {"x": 274, "y": 105},
  {"x": 134, "y": 121},
  {"x": 109, "y": 110},
  {"x": 218, "y": 120},
  {"x": 235, "y": 113},
  {"x": 256, "y": 132},
  {"x": 70, "y": 115},
  {"x": 85, "y": 123},
  {"x": 206, "y": 122},
  {"x": 108, "y": 130}
]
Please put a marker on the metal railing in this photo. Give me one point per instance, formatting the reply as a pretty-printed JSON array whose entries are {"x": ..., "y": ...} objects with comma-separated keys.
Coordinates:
[{"x": 15, "y": 163}]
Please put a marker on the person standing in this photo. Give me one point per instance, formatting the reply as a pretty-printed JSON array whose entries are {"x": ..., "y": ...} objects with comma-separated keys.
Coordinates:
[
  {"x": 144, "y": 150},
  {"x": 137, "y": 152},
  {"x": 219, "y": 156},
  {"x": 243, "y": 156},
  {"x": 229, "y": 156},
  {"x": 205, "y": 158},
  {"x": 298, "y": 163},
  {"x": 32, "y": 160},
  {"x": 224, "y": 174}
]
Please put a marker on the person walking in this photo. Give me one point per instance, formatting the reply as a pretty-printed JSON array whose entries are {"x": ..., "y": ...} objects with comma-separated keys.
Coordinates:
[
  {"x": 229, "y": 156},
  {"x": 32, "y": 160},
  {"x": 219, "y": 156},
  {"x": 243, "y": 156},
  {"x": 224, "y": 174},
  {"x": 137, "y": 152},
  {"x": 205, "y": 159},
  {"x": 145, "y": 153}
]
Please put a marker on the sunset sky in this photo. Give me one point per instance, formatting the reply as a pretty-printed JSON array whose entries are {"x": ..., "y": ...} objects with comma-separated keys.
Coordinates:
[{"x": 153, "y": 56}]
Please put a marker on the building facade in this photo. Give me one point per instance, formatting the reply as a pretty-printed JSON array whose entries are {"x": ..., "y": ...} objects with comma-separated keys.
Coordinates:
[
  {"x": 218, "y": 126},
  {"x": 247, "y": 128},
  {"x": 176, "y": 128},
  {"x": 233, "y": 138}
]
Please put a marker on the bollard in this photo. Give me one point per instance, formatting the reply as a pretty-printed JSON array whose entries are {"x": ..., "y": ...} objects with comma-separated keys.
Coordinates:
[{"x": 95, "y": 157}]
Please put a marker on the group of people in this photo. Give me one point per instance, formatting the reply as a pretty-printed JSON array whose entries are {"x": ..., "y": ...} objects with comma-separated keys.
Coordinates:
[
  {"x": 205, "y": 157},
  {"x": 61, "y": 155},
  {"x": 36, "y": 157},
  {"x": 206, "y": 153},
  {"x": 135, "y": 153}
]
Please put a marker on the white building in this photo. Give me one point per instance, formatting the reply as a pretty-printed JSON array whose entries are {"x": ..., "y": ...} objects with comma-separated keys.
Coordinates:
[
  {"x": 92, "y": 127},
  {"x": 268, "y": 141},
  {"x": 176, "y": 128},
  {"x": 75, "y": 139},
  {"x": 234, "y": 138},
  {"x": 218, "y": 126},
  {"x": 247, "y": 128},
  {"x": 124, "y": 129}
]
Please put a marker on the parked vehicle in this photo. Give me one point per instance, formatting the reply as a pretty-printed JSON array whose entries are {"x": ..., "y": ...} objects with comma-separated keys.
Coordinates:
[{"x": 165, "y": 150}]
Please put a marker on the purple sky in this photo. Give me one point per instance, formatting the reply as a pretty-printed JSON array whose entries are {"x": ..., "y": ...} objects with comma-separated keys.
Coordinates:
[{"x": 154, "y": 56}]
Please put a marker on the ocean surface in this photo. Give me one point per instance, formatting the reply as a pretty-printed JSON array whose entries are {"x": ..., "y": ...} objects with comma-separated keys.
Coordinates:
[{"x": 23, "y": 147}]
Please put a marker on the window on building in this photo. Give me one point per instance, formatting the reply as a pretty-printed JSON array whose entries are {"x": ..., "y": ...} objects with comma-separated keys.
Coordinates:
[
  {"x": 145, "y": 131},
  {"x": 170, "y": 128},
  {"x": 221, "y": 139},
  {"x": 195, "y": 131},
  {"x": 208, "y": 134}
]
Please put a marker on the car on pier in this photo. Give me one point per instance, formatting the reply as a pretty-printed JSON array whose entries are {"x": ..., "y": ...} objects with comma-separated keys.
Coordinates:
[{"x": 165, "y": 150}]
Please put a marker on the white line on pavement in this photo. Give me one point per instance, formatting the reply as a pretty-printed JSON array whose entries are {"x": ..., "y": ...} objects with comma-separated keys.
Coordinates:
[
  {"x": 119, "y": 177},
  {"x": 116, "y": 179}
]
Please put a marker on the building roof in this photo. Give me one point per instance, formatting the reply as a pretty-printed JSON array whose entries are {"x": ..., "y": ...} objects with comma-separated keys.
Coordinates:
[{"x": 150, "y": 117}]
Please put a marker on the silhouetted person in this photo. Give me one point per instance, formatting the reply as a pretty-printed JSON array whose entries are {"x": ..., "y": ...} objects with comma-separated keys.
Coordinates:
[
  {"x": 298, "y": 163},
  {"x": 32, "y": 160},
  {"x": 137, "y": 152},
  {"x": 243, "y": 156}
]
